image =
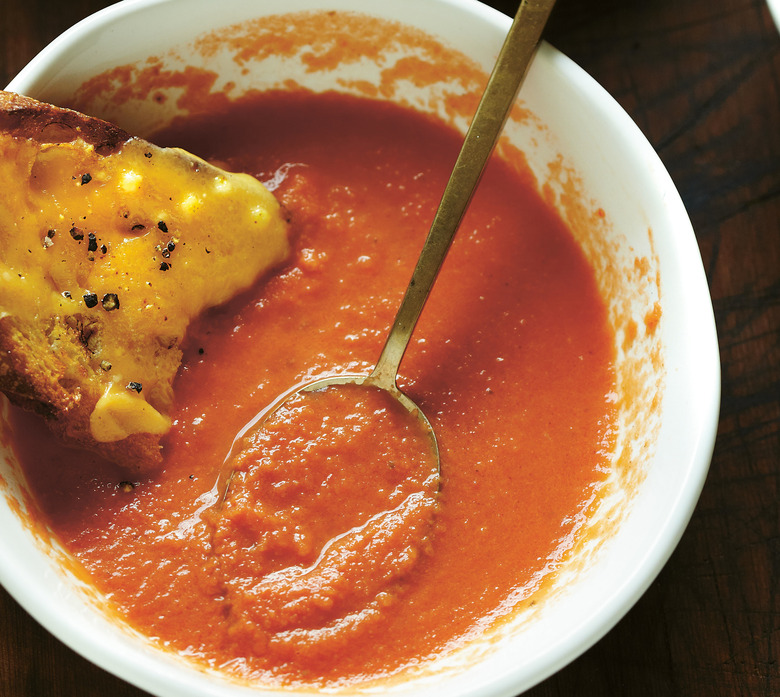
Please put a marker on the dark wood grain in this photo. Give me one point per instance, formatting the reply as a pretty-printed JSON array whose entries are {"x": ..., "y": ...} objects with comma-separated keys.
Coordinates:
[{"x": 702, "y": 79}]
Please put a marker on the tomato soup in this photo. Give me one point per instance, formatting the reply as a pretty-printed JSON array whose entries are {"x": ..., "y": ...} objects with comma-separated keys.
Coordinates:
[{"x": 336, "y": 558}]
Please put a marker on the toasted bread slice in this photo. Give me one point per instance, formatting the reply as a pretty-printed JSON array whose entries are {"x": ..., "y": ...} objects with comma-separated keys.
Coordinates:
[{"x": 109, "y": 247}]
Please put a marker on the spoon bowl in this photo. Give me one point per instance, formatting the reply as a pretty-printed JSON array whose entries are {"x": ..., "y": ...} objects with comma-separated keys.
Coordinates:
[{"x": 222, "y": 487}]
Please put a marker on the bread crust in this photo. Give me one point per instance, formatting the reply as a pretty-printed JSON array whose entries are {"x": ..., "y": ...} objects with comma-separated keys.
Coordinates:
[{"x": 24, "y": 117}]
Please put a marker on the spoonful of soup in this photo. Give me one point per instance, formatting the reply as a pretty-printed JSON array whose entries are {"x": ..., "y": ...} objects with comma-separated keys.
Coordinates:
[{"x": 488, "y": 122}]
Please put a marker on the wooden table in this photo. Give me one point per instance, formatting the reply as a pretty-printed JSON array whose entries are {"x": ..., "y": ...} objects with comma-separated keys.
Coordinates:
[{"x": 702, "y": 80}]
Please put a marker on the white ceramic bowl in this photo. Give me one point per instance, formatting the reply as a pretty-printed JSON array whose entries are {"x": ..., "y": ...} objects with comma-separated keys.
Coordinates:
[
  {"x": 774, "y": 10},
  {"x": 667, "y": 428}
]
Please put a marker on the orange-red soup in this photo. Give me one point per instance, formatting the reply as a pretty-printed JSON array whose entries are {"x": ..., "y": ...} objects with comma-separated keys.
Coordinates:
[{"x": 319, "y": 569}]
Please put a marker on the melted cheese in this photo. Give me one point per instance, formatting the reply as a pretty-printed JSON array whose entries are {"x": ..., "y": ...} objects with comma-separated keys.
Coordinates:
[
  {"x": 121, "y": 251},
  {"x": 121, "y": 412}
]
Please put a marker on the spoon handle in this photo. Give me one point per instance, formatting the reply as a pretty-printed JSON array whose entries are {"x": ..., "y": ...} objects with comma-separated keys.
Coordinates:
[{"x": 486, "y": 126}]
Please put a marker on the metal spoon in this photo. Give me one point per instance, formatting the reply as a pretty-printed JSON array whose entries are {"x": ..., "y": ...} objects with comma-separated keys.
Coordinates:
[{"x": 491, "y": 115}]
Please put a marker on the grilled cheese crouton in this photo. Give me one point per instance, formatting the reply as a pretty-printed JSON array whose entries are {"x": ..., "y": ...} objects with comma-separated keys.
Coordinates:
[{"x": 109, "y": 247}]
